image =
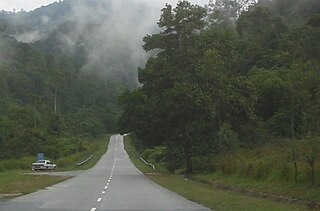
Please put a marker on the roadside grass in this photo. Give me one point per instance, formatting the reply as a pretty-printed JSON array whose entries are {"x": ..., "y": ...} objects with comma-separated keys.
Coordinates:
[
  {"x": 206, "y": 194},
  {"x": 16, "y": 182},
  {"x": 99, "y": 148},
  {"x": 135, "y": 159},
  {"x": 302, "y": 192}
]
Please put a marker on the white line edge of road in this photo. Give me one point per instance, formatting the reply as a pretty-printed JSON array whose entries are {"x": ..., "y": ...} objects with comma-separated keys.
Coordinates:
[
  {"x": 93, "y": 209},
  {"x": 139, "y": 171},
  {"x": 147, "y": 163}
]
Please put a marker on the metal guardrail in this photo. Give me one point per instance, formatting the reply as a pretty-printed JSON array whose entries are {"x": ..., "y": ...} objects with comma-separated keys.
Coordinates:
[
  {"x": 149, "y": 164},
  {"x": 84, "y": 161}
]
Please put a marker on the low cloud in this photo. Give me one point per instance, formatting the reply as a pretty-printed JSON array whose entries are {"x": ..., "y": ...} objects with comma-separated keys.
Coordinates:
[
  {"x": 118, "y": 27},
  {"x": 109, "y": 32},
  {"x": 45, "y": 19},
  {"x": 31, "y": 36}
]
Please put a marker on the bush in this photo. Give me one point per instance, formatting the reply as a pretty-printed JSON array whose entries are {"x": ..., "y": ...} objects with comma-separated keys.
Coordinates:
[
  {"x": 22, "y": 163},
  {"x": 203, "y": 164},
  {"x": 227, "y": 138}
]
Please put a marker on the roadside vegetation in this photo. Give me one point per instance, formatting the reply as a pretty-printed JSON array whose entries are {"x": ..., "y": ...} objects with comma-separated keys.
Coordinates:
[
  {"x": 16, "y": 180},
  {"x": 96, "y": 147},
  {"x": 228, "y": 77},
  {"x": 15, "y": 183},
  {"x": 204, "y": 193},
  {"x": 231, "y": 97},
  {"x": 48, "y": 103},
  {"x": 264, "y": 171}
]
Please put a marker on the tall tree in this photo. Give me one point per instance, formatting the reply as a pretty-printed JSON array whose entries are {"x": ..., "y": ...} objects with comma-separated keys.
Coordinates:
[{"x": 170, "y": 79}]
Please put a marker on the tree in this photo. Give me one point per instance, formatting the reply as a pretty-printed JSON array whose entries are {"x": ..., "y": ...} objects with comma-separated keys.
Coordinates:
[
  {"x": 226, "y": 12},
  {"x": 171, "y": 96}
]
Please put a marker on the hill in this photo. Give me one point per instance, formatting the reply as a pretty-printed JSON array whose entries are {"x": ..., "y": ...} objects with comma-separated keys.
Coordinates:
[{"x": 62, "y": 69}]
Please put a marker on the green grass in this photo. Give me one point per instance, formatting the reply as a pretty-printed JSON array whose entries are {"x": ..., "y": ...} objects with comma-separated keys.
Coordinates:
[
  {"x": 299, "y": 191},
  {"x": 205, "y": 194},
  {"x": 100, "y": 147},
  {"x": 134, "y": 157},
  {"x": 16, "y": 182}
]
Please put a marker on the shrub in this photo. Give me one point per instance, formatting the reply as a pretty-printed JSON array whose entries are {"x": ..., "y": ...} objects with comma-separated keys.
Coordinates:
[{"x": 203, "y": 164}]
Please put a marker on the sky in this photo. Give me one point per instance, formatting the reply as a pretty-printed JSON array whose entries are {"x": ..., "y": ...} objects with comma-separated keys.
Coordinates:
[{"x": 27, "y": 5}]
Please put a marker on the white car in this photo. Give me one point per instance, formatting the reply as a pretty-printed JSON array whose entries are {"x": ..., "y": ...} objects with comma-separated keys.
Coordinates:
[{"x": 43, "y": 165}]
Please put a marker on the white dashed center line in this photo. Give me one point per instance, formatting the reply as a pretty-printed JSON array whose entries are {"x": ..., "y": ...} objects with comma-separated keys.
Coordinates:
[{"x": 110, "y": 177}]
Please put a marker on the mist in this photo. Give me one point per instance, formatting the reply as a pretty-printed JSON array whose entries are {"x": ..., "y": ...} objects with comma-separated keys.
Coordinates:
[
  {"x": 117, "y": 37},
  {"x": 108, "y": 33},
  {"x": 119, "y": 27}
]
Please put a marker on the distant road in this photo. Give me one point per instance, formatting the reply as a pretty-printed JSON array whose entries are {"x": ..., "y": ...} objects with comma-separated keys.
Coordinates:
[{"x": 112, "y": 184}]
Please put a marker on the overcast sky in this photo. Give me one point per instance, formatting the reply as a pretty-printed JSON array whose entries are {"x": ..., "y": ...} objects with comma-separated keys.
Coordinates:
[{"x": 28, "y": 5}]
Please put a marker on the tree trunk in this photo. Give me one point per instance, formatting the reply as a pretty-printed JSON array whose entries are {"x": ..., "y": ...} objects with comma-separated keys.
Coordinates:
[
  {"x": 188, "y": 152},
  {"x": 294, "y": 153},
  {"x": 318, "y": 127},
  {"x": 219, "y": 116},
  {"x": 294, "y": 158},
  {"x": 312, "y": 172},
  {"x": 188, "y": 159},
  {"x": 34, "y": 122},
  {"x": 292, "y": 116},
  {"x": 55, "y": 101}
]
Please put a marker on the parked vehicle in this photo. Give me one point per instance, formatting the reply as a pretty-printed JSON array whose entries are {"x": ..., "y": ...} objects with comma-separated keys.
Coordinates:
[{"x": 43, "y": 165}]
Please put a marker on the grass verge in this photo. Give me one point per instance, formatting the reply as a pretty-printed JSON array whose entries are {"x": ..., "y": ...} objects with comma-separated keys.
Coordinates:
[
  {"x": 100, "y": 147},
  {"x": 205, "y": 194},
  {"x": 301, "y": 192},
  {"x": 14, "y": 183}
]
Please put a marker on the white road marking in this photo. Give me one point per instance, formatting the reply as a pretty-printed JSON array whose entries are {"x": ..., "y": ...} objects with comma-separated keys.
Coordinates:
[{"x": 111, "y": 175}]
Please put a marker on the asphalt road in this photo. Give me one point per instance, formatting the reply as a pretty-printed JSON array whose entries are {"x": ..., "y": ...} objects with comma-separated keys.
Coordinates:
[{"x": 112, "y": 184}]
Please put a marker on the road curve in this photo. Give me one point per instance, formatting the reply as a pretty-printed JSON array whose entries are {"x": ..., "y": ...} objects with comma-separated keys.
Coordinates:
[{"x": 112, "y": 184}]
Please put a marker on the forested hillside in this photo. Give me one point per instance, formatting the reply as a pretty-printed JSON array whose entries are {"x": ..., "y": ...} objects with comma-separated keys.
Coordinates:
[
  {"x": 62, "y": 69},
  {"x": 227, "y": 76}
]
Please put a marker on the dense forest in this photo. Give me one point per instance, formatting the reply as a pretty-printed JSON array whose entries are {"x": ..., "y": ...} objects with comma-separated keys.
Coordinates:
[
  {"x": 235, "y": 74},
  {"x": 231, "y": 74},
  {"x": 61, "y": 72}
]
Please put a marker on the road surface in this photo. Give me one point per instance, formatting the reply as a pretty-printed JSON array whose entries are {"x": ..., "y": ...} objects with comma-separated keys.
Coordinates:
[{"x": 112, "y": 184}]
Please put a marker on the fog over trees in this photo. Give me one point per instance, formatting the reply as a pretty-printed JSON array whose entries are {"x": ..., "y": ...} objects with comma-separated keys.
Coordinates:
[
  {"x": 62, "y": 69},
  {"x": 194, "y": 80}
]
